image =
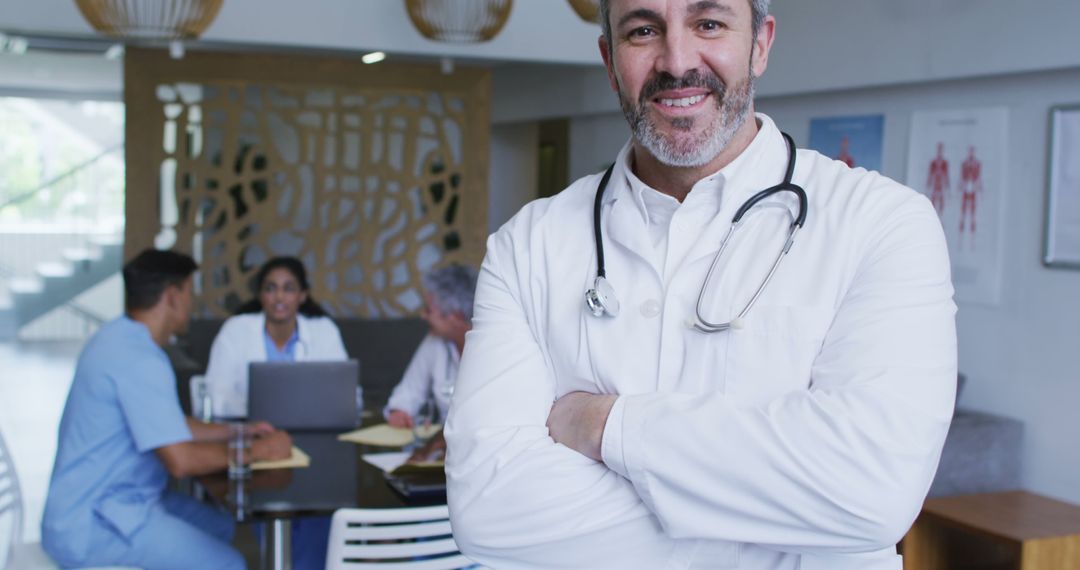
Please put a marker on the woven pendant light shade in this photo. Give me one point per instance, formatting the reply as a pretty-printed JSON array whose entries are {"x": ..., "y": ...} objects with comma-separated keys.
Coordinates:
[
  {"x": 150, "y": 19},
  {"x": 589, "y": 10},
  {"x": 459, "y": 20}
]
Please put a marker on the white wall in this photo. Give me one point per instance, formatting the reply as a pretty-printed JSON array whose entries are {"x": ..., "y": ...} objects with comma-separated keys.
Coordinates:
[
  {"x": 594, "y": 141},
  {"x": 834, "y": 44},
  {"x": 1019, "y": 355},
  {"x": 514, "y": 153}
]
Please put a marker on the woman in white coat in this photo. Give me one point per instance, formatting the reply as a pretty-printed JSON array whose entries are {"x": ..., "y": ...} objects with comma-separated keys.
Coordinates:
[{"x": 281, "y": 324}]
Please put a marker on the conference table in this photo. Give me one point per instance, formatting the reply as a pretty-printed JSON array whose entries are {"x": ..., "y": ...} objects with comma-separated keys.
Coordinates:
[{"x": 336, "y": 478}]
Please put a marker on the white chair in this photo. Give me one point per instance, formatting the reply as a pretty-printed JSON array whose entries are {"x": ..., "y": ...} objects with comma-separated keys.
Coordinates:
[
  {"x": 387, "y": 539},
  {"x": 10, "y": 507},
  {"x": 14, "y": 553}
]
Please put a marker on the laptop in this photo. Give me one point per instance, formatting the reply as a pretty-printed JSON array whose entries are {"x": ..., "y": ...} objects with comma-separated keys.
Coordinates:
[
  {"x": 304, "y": 395},
  {"x": 418, "y": 482}
]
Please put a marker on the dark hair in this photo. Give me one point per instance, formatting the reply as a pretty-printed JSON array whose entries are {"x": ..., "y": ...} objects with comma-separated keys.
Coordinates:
[
  {"x": 148, "y": 275},
  {"x": 309, "y": 308}
]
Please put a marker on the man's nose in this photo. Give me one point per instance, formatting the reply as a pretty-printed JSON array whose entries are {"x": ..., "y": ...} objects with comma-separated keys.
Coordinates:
[{"x": 679, "y": 54}]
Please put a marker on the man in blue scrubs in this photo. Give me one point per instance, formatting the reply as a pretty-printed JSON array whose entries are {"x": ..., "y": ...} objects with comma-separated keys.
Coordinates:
[{"x": 123, "y": 434}]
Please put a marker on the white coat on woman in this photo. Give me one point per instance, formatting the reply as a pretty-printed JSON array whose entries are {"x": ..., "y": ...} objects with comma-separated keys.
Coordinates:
[{"x": 241, "y": 341}]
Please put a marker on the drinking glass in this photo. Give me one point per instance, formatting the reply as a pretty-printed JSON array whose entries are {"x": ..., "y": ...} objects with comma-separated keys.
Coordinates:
[{"x": 239, "y": 448}]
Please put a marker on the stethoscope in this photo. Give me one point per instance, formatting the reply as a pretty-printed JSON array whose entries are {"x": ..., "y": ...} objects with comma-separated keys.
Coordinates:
[{"x": 601, "y": 300}]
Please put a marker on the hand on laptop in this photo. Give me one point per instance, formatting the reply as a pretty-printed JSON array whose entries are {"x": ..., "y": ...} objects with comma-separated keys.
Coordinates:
[
  {"x": 399, "y": 419},
  {"x": 272, "y": 446}
]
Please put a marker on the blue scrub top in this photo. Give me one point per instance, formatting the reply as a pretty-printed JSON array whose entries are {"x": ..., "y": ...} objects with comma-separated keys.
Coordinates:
[
  {"x": 122, "y": 406},
  {"x": 287, "y": 354}
]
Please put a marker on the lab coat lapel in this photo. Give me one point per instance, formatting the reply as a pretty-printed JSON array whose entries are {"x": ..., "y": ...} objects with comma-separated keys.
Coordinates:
[
  {"x": 300, "y": 350},
  {"x": 260, "y": 338},
  {"x": 627, "y": 228}
]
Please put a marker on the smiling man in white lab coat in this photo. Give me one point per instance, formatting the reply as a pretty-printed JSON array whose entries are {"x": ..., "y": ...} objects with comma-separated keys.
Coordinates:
[{"x": 806, "y": 438}]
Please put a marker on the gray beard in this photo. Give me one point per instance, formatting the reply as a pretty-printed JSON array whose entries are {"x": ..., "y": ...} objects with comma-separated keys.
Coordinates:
[{"x": 691, "y": 151}]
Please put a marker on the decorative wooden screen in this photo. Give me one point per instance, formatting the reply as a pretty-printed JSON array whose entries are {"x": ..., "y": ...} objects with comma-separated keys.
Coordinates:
[{"x": 369, "y": 174}]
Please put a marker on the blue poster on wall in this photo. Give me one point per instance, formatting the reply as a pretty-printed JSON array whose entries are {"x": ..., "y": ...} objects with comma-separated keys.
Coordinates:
[{"x": 855, "y": 141}]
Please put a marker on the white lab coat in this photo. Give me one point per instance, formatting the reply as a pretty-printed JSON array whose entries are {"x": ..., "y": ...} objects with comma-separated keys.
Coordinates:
[
  {"x": 241, "y": 342},
  {"x": 430, "y": 374},
  {"x": 805, "y": 440}
]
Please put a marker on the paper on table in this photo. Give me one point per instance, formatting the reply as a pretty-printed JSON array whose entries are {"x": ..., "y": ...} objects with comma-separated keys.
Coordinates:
[
  {"x": 387, "y": 461},
  {"x": 297, "y": 459},
  {"x": 387, "y": 436},
  {"x": 391, "y": 460}
]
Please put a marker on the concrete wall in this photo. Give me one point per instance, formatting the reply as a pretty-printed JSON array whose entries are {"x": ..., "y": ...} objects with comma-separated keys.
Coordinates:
[{"x": 514, "y": 152}]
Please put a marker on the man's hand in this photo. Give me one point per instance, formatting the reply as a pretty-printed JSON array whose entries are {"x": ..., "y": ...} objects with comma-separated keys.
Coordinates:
[
  {"x": 433, "y": 450},
  {"x": 272, "y": 446},
  {"x": 399, "y": 419},
  {"x": 577, "y": 421},
  {"x": 260, "y": 429}
]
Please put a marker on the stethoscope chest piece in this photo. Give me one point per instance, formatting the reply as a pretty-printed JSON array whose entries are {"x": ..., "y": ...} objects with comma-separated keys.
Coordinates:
[{"x": 601, "y": 299}]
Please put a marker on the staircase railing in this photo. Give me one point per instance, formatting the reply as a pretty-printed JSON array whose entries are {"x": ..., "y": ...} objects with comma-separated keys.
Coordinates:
[
  {"x": 69, "y": 319},
  {"x": 24, "y": 246},
  {"x": 52, "y": 182}
]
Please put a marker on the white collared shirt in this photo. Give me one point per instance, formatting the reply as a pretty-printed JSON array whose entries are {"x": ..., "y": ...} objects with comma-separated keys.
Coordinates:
[
  {"x": 807, "y": 439},
  {"x": 430, "y": 375},
  {"x": 241, "y": 342}
]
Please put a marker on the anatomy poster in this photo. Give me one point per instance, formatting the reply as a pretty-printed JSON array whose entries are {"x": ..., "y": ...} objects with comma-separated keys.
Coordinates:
[
  {"x": 957, "y": 158},
  {"x": 855, "y": 141}
]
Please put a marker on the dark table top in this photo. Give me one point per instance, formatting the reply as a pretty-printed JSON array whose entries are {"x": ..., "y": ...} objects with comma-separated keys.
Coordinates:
[{"x": 336, "y": 478}]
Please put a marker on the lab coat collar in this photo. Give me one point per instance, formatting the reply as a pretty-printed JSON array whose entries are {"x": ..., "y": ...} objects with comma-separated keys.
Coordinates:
[
  {"x": 628, "y": 221},
  {"x": 761, "y": 165},
  {"x": 300, "y": 352}
]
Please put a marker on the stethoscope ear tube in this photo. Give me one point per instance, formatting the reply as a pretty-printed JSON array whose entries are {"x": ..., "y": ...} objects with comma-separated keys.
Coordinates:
[
  {"x": 598, "y": 235},
  {"x": 601, "y": 300}
]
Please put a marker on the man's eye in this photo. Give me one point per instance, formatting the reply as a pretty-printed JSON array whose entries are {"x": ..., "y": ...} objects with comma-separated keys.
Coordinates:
[
  {"x": 710, "y": 26},
  {"x": 643, "y": 32}
]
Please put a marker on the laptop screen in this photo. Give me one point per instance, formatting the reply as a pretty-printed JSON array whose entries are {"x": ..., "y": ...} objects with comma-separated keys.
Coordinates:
[{"x": 304, "y": 395}]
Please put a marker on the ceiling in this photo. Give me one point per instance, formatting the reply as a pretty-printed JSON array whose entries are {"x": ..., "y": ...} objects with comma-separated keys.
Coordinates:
[{"x": 537, "y": 31}]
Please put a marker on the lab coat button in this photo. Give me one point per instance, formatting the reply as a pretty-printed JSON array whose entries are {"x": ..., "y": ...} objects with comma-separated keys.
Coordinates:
[{"x": 650, "y": 308}]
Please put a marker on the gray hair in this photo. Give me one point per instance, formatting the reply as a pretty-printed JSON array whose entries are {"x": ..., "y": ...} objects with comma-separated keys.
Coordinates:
[
  {"x": 758, "y": 8},
  {"x": 453, "y": 287}
]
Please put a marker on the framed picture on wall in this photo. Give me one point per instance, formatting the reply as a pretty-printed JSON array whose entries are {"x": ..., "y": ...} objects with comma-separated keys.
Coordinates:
[{"x": 1062, "y": 243}]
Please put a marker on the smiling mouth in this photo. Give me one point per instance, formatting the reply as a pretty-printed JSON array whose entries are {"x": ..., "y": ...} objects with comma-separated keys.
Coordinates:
[{"x": 682, "y": 101}]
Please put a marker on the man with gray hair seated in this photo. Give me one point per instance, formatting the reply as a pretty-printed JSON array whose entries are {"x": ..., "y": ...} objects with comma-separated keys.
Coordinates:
[{"x": 429, "y": 379}]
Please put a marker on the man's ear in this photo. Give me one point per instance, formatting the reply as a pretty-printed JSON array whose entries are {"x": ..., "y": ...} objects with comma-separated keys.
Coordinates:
[
  {"x": 759, "y": 60},
  {"x": 171, "y": 296},
  {"x": 609, "y": 62}
]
